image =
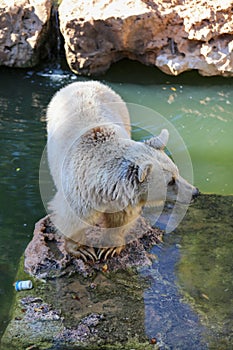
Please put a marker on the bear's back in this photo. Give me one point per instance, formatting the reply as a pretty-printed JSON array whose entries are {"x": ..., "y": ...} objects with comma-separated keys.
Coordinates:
[
  {"x": 83, "y": 105},
  {"x": 74, "y": 110}
]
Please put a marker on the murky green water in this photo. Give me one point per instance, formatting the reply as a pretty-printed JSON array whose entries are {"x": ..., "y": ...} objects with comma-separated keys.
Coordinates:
[
  {"x": 199, "y": 108},
  {"x": 206, "y": 265}
]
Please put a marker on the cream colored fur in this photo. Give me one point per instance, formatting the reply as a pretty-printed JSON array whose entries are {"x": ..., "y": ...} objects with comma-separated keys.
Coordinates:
[{"x": 103, "y": 177}]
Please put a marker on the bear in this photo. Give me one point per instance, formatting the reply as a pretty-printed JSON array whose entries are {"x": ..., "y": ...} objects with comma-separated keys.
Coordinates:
[{"x": 103, "y": 178}]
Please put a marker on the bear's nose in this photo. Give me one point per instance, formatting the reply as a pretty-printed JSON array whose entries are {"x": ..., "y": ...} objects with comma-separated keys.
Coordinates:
[{"x": 196, "y": 192}]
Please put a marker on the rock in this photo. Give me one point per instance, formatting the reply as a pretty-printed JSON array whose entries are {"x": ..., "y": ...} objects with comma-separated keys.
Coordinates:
[
  {"x": 175, "y": 36},
  {"x": 79, "y": 305},
  {"x": 46, "y": 257},
  {"x": 135, "y": 308},
  {"x": 24, "y": 30},
  {"x": 74, "y": 313}
]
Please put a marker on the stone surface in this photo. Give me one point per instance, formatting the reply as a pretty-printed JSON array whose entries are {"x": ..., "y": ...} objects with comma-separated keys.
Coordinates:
[
  {"x": 103, "y": 306},
  {"x": 175, "y": 36},
  {"x": 80, "y": 305},
  {"x": 24, "y": 29},
  {"x": 46, "y": 257}
]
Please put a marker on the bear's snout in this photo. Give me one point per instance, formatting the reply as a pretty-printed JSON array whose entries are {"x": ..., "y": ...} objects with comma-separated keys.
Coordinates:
[{"x": 195, "y": 193}]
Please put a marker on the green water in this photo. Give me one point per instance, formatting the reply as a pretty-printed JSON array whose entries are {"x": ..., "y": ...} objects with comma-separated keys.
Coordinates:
[
  {"x": 206, "y": 265},
  {"x": 201, "y": 111},
  {"x": 199, "y": 108}
]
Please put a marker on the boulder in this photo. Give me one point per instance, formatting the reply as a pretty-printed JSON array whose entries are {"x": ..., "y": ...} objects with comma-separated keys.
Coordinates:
[
  {"x": 46, "y": 256},
  {"x": 24, "y": 29},
  {"x": 77, "y": 305},
  {"x": 174, "y": 36}
]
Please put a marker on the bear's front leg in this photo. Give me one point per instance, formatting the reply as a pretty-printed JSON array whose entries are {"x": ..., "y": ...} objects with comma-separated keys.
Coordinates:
[{"x": 113, "y": 242}]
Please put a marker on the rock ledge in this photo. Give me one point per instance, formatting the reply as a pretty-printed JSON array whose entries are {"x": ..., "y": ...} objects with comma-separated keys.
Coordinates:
[
  {"x": 24, "y": 32},
  {"x": 174, "y": 36},
  {"x": 78, "y": 305}
]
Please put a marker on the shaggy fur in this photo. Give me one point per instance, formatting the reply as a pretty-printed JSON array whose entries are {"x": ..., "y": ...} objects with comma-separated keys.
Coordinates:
[{"x": 103, "y": 177}]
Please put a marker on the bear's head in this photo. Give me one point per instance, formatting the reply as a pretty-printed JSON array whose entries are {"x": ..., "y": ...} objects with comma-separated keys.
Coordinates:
[
  {"x": 141, "y": 174},
  {"x": 123, "y": 172},
  {"x": 177, "y": 188},
  {"x": 113, "y": 173}
]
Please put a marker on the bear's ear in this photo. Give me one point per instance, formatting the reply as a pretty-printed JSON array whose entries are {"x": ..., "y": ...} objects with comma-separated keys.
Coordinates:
[
  {"x": 131, "y": 171},
  {"x": 159, "y": 142},
  {"x": 144, "y": 170}
]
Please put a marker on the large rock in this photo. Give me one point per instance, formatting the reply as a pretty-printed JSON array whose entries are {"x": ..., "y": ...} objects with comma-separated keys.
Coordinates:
[
  {"x": 173, "y": 35},
  {"x": 124, "y": 304},
  {"x": 24, "y": 27},
  {"x": 46, "y": 256},
  {"x": 77, "y": 305}
]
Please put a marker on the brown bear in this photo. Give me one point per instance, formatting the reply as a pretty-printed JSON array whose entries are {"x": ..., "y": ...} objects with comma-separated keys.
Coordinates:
[{"x": 103, "y": 177}]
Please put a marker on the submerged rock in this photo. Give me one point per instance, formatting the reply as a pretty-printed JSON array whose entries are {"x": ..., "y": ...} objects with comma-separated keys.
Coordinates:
[
  {"x": 76, "y": 304},
  {"x": 174, "y": 36},
  {"x": 24, "y": 32}
]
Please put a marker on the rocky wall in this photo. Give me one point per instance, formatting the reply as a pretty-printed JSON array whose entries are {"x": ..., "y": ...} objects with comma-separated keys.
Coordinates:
[
  {"x": 174, "y": 36},
  {"x": 24, "y": 32}
]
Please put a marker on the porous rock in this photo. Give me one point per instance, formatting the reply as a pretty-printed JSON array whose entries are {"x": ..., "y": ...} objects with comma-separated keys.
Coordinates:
[
  {"x": 175, "y": 36},
  {"x": 24, "y": 29},
  {"x": 46, "y": 256},
  {"x": 77, "y": 305}
]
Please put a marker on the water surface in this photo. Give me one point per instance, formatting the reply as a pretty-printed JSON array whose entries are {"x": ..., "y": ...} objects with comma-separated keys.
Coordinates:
[{"x": 200, "y": 109}]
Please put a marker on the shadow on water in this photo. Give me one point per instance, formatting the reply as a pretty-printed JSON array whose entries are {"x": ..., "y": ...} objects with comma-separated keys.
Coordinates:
[
  {"x": 133, "y": 72},
  {"x": 189, "y": 302}
]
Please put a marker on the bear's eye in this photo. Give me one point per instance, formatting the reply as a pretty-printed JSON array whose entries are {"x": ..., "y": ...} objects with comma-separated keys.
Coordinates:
[{"x": 172, "y": 182}]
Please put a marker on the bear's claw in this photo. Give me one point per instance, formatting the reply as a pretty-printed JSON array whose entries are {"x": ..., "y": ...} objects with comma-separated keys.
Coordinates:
[
  {"x": 104, "y": 253},
  {"x": 86, "y": 253},
  {"x": 81, "y": 251},
  {"x": 90, "y": 253}
]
